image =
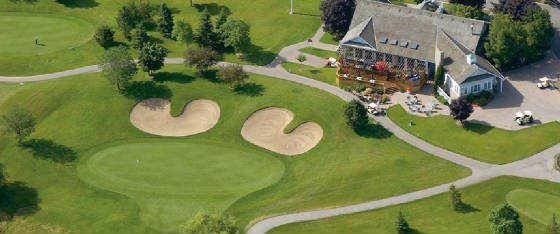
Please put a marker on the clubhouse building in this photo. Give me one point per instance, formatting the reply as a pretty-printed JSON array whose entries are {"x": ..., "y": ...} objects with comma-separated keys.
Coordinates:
[{"x": 397, "y": 48}]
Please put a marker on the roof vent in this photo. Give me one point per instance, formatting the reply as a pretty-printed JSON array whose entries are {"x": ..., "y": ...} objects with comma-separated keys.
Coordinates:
[
  {"x": 413, "y": 46},
  {"x": 394, "y": 42},
  {"x": 471, "y": 59},
  {"x": 404, "y": 44},
  {"x": 383, "y": 40}
]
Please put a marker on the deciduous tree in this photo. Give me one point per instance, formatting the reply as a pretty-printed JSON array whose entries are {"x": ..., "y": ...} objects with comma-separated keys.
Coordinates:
[
  {"x": 131, "y": 15},
  {"x": 183, "y": 32},
  {"x": 18, "y": 121},
  {"x": 515, "y": 8},
  {"x": 461, "y": 109},
  {"x": 200, "y": 58},
  {"x": 151, "y": 57},
  {"x": 506, "y": 41},
  {"x": 235, "y": 33},
  {"x": 539, "y": 33},
  {"x": 473, "y": 3},
  {"x": 337, "y": 16},
  {"x": 232, "y": 74},
  {"x": 139, "y": 37},
  {"x": 455, "y": 199},
  {"x": 104, "y": 36},
  {"x": 505, "y": 220},
  {"x": 118, "y": 66}
]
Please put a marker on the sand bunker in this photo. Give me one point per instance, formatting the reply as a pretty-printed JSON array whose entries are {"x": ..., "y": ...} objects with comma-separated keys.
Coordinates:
[
  {"x": 265, "y": 128},
  {"x": 152, "y": 116}
]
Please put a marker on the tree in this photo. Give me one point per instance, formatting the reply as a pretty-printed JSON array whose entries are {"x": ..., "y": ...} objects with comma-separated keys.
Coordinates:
[
  {"x": 206, "y": 36},
  {"x": 235, "y": 33},
  {"x": 455, "y": 199},
  {"x": 461, "y": 109},
  {"x": 18, "y": 121},
  {"x": 356, "y": 115},
  {"x": 473, "y": 3},
  {"x": 183, "y": 32},
  {"x": 151, "y": 57},
  {"x": 200, "y": 58},
  {"x": 515, "y": 8},
  {"x": 222, "y": 19},
  {"x": 438, "y": 77},
  {"x": 165, "y": 23},
  {"x": 232, "y": 74},
  {"x": 539, "y": 33},
  {"x": 505, "y": 220},
  {"x": 402, "y": 225},
  {"x": 466, "y": 11},
  {"x": 506, "y": 42},
  {"x": 204, "y": 223},
  {"x": 132, "y": 15},
  {"x": 139, "y": 37},
  {"x": 118, "y": 66},
  {"x": 104, "y": 36},
  {"x": 337, "y": 16},
  {"x": 553, "y": 227}
]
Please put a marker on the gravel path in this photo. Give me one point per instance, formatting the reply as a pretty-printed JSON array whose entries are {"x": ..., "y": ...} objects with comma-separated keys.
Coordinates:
[{"x": 538, "y": 166}]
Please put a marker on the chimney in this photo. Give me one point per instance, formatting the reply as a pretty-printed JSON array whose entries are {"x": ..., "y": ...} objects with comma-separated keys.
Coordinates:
[{"x": 471, "y": 59}]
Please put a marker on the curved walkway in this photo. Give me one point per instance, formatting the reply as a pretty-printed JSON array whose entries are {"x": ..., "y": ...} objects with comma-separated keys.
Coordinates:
[{"x": 538, "y": 166}]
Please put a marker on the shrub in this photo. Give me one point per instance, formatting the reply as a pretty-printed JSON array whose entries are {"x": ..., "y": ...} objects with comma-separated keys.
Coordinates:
[
  {"x": 301, "y": 58},
  {"x": 438, "y": 77},
  {"x": 203, "y": 223},
  {"x": 356, "y": 115},
  {"x": 465, "y": 11},
  {"x": 104, "y": 36},
  {"x": 232, "y": 74},
  {"x": 18, "y": 121},
  {"x": 487, "y": 94},
  {"x": 357, "y": 88},
  {"x": 557, "y": 162},
  {"x": 505, "y": 220},
  {"x": 461, "y": 109}
]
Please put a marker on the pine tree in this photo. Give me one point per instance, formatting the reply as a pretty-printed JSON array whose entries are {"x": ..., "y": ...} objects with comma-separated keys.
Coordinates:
[
  {"x": 165, "y": 23},
  {"x": 206, "y": 36},
  {"x": 401, "y": 224},
  {"x": 553, "y": 227},
  {"x": 139, "y": 37},
  {"x": 222, "y": 19},
  {"x": 455, "y": 198}
]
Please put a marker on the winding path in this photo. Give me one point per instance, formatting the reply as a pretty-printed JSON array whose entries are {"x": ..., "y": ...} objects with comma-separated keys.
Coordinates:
[{"x": 538, "y": 166}]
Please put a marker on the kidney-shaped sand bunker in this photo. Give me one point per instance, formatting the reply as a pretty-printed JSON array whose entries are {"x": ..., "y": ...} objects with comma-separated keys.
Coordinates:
[
  {"x": 153, "y": 116},
  {"x": 265, "y": 128}
]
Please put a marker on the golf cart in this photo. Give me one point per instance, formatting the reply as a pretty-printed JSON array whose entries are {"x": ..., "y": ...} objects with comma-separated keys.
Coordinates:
[
  {"x": 544, "y": 83},
  {"x": 523, "y": 118},
  {"x": 374, "y": 109}
]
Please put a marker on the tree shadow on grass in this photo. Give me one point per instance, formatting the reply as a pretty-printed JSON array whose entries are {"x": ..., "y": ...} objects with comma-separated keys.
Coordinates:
[
  {"x": 140, "y": 90},
  {"x": 213, "y": 8},
  {"x": 210, "y": 75},
  {"x": 250, "y": 89},
  {"x": 467, "y": 208},
  {"x": 17, "y": 199},
  {"x": 47, "y": 149},
  {"x": 78, "y": 3},
  {"x": 476, "y": 127},
  {"x": 373, "y": 131},
  {"x": 173, "y": 77},
  {"x": 257, "y": 55}
]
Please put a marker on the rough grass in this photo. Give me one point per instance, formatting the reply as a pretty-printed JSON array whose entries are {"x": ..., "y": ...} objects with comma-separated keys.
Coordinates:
[
  {"x": 326, "y": 54},
  {"x": 329, "y": 39},
  {"x": 324, "y": 74},
  {"x": 481, "y": 142},
  {"x": 272, "y": 28},
  {"x": 434, "y": 214},
  {"x": 86, "y": 114}
]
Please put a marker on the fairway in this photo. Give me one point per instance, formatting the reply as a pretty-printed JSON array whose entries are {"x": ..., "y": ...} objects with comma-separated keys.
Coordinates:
[
  {"x": 534, "y": 204},
  {"x": 173, "y": 180},
  {"x": 53, "y": 32}
]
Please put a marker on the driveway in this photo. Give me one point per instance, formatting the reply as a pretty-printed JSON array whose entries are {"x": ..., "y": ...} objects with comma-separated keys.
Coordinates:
[{"x": 520, "y": 93}]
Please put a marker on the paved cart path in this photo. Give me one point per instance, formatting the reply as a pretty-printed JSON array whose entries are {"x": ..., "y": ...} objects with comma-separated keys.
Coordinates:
[{"x": 538, "y": 166}]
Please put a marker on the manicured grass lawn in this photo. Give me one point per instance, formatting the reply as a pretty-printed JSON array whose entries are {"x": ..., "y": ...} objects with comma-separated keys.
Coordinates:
[
  {"x": 537, "y": 205},
  {"x": 328, "y": 38},
  {"x": 53, "y": 32},
  {"x": 185, "y": 177},
  {"x": 434, "y": 214},
  {"x": 86, "y": 114},
  {"x": 319, "y": 52},
  {"x": 484, "y": 143},
  {"x": 272, "y": 28},
  {"x": 325, "y": 74}
]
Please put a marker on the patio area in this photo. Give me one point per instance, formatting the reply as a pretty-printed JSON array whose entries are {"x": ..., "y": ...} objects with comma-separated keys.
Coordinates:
[{"x": 422, "y": 103}]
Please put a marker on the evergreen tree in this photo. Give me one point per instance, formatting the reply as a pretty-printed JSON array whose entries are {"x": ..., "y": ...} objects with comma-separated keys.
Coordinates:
[
  {"x": 182, "y": 32},
  {"x": 165, "y": 23},
  {"x": 206, "y": 36},
  {"x": 104, "y": 36},
  {"x": 356, "y": 115},
  {"x": 222, "y": 19},
  {"x": 151, "y": 57},
  {"x": 402, "y": 225},
  {"x": 553, "y": 227},
  {"x": 455, "y": 198}
]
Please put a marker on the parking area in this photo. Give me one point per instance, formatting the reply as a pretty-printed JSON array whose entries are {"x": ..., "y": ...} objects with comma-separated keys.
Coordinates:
[{"x": 520, "y": 93}]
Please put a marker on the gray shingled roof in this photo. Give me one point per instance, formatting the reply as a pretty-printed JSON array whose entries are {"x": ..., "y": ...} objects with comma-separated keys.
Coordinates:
[
  {"x": 361, "y": 35},
  {"x": 456, "y": 64},
  {"x": 415, "y": 26}
]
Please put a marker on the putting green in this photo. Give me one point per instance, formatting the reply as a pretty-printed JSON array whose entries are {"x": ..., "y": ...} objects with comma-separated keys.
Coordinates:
[
  {"x": 173, "y": 180},
  {"x": 54, "y": 32},
  {"x": 536, "y": 205}
]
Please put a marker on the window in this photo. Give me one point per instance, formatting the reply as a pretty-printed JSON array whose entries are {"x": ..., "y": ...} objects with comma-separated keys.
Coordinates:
[
  {"x": 475, "y": 88},
  {"x": 485, "y": 85},
  {"x": 464, "y": 91}
]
